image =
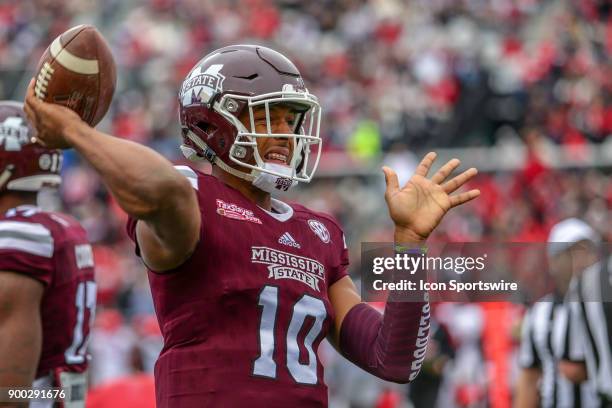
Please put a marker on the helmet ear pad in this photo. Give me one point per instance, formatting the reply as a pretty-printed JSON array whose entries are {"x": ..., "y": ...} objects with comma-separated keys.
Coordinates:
[
  {"x": 211, "y": 128},
  {"x": 218, "y": 134}
]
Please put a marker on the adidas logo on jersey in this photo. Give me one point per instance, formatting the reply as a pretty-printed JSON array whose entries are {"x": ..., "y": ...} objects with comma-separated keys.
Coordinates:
[{"x": 287, "y": 239}]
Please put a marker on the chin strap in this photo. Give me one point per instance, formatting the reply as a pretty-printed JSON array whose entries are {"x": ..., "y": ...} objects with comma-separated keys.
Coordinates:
[
  {"x": 210, "y": 155},
  {"x": 240, "y": 174}
]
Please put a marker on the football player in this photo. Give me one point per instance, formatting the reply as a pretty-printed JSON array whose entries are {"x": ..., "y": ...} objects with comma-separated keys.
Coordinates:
[
  {"x": 47, "y": 288},
  {"x": 246, "y": 286}
]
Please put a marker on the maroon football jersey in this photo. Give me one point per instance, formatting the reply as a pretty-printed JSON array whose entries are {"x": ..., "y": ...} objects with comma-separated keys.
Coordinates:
[
  {"x": 243, "y": 317},
  {"x": 53, "y": 249}
]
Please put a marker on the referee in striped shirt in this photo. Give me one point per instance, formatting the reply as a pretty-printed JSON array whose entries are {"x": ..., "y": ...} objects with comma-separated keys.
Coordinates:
[
  {"x": 545, "y": 330},
  {"x": 588, "y": 354}
]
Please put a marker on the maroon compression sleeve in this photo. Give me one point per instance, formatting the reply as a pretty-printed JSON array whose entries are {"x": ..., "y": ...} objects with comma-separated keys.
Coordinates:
[{"x": 391, "y": 347}]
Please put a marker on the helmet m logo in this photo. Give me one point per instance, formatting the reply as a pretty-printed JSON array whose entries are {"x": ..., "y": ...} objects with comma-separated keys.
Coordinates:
[
  {"x": 13, "y": 134},
  {"x": 200, "y": 86}
]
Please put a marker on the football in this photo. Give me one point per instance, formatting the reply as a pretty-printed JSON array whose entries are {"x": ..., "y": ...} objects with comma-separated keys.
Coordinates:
[{"x": 78, "y": 71}]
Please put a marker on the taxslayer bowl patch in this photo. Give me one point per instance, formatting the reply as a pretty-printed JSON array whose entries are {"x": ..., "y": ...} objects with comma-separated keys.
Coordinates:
[{"x": 235, "y": 212}]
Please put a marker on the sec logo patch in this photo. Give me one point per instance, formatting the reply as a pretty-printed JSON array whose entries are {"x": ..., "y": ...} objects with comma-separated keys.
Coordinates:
[{"x": 320, "y": 230}]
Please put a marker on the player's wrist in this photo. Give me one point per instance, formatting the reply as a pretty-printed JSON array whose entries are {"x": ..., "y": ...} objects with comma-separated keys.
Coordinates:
[
  {"x": 74, "y": 131},
  {"x": 403, "y": 235}
]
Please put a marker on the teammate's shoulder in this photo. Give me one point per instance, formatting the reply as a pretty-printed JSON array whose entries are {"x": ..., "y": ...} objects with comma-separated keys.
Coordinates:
[
  {"x": 59, "y": 220},
  {"x": 35, "y": 215},
  {"x": 27, "y": 234},
  {"x": 58, "y": 225}
]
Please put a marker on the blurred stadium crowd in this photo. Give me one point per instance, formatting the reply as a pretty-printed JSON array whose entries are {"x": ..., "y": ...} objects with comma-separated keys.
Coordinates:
[{"x": 394, "y": 78}]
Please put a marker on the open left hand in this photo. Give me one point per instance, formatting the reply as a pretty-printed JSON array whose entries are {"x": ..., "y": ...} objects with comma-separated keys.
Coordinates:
[{"x": 419, "y": 206}]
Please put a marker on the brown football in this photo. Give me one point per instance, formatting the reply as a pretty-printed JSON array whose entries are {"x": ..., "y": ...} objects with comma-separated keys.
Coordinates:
[{"x": 78, "y": 71}]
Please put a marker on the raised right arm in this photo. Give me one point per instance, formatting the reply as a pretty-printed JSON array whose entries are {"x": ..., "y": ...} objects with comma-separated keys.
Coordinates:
[{"x": 144, "y": 183}]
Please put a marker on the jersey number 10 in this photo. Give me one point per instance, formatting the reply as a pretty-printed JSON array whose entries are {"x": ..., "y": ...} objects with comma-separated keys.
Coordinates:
[{"x": 264, "y": 365}]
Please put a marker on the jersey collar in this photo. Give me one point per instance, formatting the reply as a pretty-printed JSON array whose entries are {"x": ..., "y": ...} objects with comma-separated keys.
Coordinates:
[{"x": 283, "y": 211}]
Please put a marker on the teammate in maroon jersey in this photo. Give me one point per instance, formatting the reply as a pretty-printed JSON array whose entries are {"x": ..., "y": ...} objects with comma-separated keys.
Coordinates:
[
  {"x": 47, "y": 289},
  {"x": 246, "y": 286}
]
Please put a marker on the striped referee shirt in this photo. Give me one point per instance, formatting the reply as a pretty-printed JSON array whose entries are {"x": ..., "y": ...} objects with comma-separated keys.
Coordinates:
[
  {"x": 591, "y": 336},
  {"x": 544, "y": 337}
]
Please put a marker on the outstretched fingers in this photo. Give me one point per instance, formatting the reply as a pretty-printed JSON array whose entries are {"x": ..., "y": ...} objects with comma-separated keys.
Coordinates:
[
  {"x": 391, "y": 180},
  {"x": 425, "y": 164},
  {"x": 458, "y": 181},
  {"x": 445, "y": 171},
  {"x": 462, "y": 198}
]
